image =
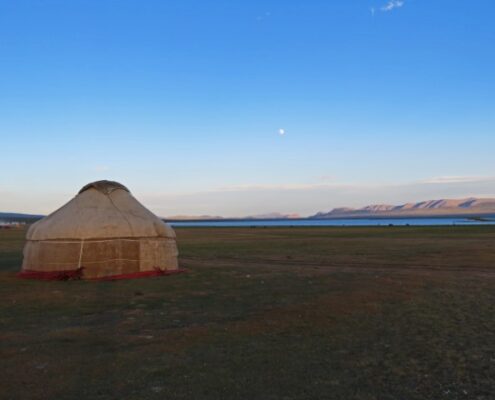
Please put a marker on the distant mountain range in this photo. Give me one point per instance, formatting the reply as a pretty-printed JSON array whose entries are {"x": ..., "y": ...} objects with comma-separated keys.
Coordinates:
[
  {"x": 274, "y": 215},
  {"x": 192, "y": 218},
  {"x": 469, "y": 206},
  {"x": 18, "y": 217}
]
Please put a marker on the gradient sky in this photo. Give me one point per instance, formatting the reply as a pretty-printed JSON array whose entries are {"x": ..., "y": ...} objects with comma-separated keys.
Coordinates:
[{"x": 182, "y": 101}]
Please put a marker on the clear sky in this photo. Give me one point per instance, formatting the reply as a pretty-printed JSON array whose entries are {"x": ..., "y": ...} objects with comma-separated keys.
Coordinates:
[{"x": 185, "y": 102}]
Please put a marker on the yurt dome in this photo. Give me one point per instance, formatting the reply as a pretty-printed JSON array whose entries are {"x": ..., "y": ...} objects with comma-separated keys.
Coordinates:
[{"x": 102, "y": 233}]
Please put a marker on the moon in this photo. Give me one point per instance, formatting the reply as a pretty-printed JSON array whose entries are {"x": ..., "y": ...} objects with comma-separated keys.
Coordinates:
[{"x": 281, "y": 132}]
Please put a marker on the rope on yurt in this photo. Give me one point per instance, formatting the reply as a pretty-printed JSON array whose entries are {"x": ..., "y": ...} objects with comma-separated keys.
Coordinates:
[{"x": 80, "y": 254}]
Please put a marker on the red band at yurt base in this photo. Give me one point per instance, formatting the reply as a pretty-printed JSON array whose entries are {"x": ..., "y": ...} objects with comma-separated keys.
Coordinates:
[
  {"x": 66, "y": 275},
  {"x": 77, "y": 274}
]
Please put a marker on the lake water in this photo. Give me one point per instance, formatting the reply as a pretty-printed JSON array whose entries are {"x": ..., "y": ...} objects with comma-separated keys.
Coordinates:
[{"x": 439, "y": 221}]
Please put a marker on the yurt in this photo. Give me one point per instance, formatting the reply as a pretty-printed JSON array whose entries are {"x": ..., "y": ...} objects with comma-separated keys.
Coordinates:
[{"x": 102, "y": 233}]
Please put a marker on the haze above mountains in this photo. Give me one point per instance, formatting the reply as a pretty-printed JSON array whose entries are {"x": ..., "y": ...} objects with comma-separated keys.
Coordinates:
[{"x": 443, "y": 207}]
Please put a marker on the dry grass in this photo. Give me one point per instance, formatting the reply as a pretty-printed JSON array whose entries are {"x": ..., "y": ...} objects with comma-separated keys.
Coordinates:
[{"x": 317, "y": 313}]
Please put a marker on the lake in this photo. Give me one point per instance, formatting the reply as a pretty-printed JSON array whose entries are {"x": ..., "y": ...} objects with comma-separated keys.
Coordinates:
[{"x": 438, "y": 221}]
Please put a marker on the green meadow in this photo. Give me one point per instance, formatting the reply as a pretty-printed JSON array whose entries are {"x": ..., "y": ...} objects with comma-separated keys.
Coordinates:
[{"x": 264, "y": 313}]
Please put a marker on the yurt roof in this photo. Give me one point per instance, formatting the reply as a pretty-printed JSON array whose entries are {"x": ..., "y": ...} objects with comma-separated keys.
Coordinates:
[{"x": 101, "y": 210}]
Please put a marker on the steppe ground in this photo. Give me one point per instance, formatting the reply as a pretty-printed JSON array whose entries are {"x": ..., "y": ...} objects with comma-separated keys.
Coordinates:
[{"x": 264, "y": 313}]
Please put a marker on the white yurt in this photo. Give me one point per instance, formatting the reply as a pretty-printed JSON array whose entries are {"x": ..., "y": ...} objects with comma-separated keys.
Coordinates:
[{"x": 102, "y": 233}]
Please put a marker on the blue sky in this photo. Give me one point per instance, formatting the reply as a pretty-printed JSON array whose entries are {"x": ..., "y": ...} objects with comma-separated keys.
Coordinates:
[{"x": 182, "y": 101}]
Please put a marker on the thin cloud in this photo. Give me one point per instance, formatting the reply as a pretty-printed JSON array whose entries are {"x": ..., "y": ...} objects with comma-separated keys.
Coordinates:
[
  {"x": 101, "y": 168},
  {"x": 392, "y": 5},
  {"x": 456, "y": 179},
  {"x": 263, "y": 16},
  {"x": 270, "y": 187},
  {"x": 327, "y": 178}
]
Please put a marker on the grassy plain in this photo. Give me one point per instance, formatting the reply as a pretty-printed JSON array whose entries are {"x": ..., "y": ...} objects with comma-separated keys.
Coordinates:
[{"x": 266, "y": 313}]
